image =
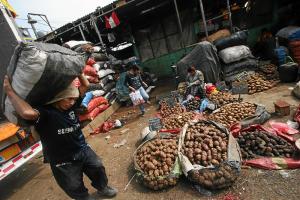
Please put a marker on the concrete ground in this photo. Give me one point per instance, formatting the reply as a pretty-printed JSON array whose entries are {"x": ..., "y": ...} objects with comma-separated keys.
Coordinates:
[{"x": 34, "y": 180}]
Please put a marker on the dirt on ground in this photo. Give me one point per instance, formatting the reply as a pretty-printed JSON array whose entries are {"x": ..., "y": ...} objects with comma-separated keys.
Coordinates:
[{"x": 34, "y": 180}]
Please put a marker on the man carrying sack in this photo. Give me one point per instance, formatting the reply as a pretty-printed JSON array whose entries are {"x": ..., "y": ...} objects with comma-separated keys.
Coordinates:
[{"x": 63, "y": 142}]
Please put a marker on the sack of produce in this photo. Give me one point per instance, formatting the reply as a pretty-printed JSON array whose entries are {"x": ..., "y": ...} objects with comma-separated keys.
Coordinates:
[
  {"x": 39, "y": 71},
  {"x": 289, "y": 32},
  {"x": 209, "y": 155},
  {"x": 89, "y": 71},
  {"x": 236, "y": 53},
  {"x": 244, "y": 113},
  {"x": 218, "y": 35},
  {"x": 104, "y": 72},
  {"x": 238, "y": 38},
  {"x": 239, "y": 66},
  {"x": 98, "y": 57},
  {"x": 156, "y": 162}
]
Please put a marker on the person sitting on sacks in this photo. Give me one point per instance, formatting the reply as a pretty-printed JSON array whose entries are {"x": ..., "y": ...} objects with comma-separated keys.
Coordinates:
[
  {"x": 195, "y": 83},
  {"x": 68, "y": 153}
]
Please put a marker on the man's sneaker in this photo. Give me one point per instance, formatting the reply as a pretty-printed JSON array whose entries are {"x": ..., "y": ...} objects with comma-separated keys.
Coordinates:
[
  {"x": 143, "y": 113},
  {"x": 108, "y": 192}
]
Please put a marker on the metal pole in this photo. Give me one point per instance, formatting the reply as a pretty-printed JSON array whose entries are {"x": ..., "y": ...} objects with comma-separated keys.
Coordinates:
[
  {"x": 41, "y": 16},
  {"x": 48, "y": 23},
  {"x": 98, "y": 32},
  {"x": 229, "y": 14},
  {"x": 178, "y": 16},
  {"x": 32, "y": 26},
  {"x": 203, "y": 18},
  {"x": 81, "y": 32},
  {"x": 179, "y": 23}
]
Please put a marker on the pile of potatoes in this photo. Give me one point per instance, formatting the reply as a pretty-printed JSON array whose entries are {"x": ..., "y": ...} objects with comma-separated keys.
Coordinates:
[
  {"x": 270, "y": 71},
  {"x": 175, "y": 121},
  {"x": 222, "y": 98},
  {"x": 166, "y": 110},
  {"x": 205, "y": 144},
  {"x": 193, "y": 104},
  {"x": 262, "y": 143},
  {"x": 258, "y": 83},
  {"x": 233, "y": 113},
  {"x": 219, "y": 178},
  {"x": 156, "y": 159}
]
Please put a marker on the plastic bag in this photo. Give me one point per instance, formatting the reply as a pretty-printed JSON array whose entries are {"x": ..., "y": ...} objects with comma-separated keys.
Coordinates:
[
  {"x": 283, "y": 128},
  {"x": 87, "y": 98},
  {"x": 236, "y": 53},
  {"x": 96, "y": 102},
  {"x": 136, "y": 98}
]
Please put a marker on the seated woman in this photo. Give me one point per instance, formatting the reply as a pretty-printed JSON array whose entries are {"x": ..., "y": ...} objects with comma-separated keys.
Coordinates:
[{"x": 195, "y": 82}]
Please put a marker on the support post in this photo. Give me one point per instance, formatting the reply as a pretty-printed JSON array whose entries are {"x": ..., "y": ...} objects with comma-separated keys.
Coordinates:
[
  {"x": 82, "y": 34},
  {"x": 203, "y": 18},
  {"x": 179, "y": 23},
  {"x": 229, "y": 16},
  {"x": 98, "y": 32}
]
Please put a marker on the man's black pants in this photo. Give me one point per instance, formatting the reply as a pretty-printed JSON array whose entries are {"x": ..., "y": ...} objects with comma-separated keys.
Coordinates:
[{"x": 69, "y": 175}]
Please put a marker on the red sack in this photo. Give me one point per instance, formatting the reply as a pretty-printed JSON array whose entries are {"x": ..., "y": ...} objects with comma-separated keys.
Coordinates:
[
  {"x": 104, "y": 128},
  {"x": 90, "y": 71},
  {"x": 91, "y": 115},
  {"x": 96, "y": 102},
  {"x": 273, "y": 163},
  {"x": 236, "y": 130},
  {"x": 268, "y": 162},
  {"x": 103, "y": 107},
  {"x": 91, "y": 62}
]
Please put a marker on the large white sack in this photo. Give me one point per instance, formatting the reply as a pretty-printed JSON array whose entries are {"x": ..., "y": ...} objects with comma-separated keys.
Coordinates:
[
  {"x": 39, "y": 71},
  {"x": 233, "y": 54}
]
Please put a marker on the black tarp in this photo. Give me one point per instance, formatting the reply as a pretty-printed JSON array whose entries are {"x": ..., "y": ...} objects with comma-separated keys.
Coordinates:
[{"x": 205, "y": 58}]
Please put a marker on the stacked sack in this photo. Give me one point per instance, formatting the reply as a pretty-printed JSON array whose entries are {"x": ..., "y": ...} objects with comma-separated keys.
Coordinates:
[
  {"x": 101, "y": 92},
  {"x": 290, "y": 37},
  {"x": 236, "y": 57}
]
